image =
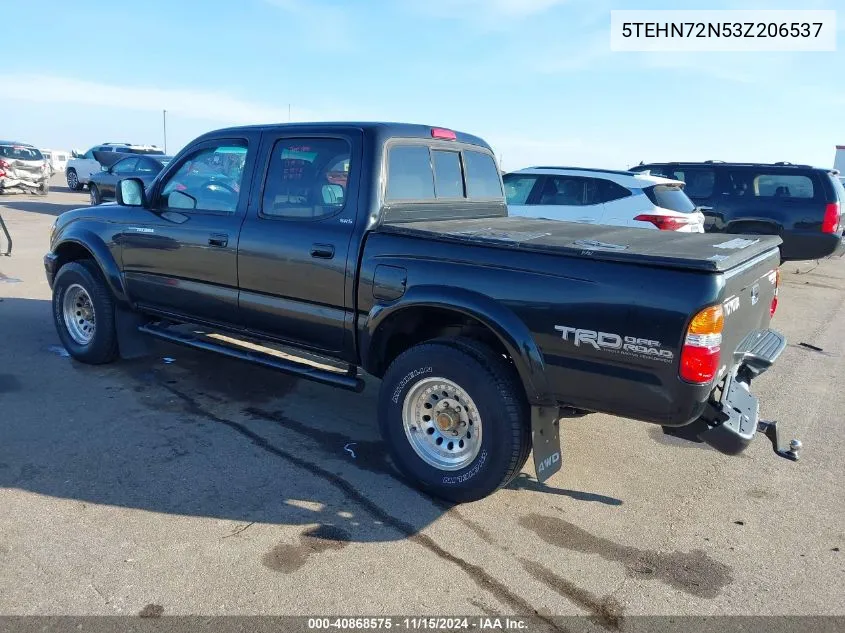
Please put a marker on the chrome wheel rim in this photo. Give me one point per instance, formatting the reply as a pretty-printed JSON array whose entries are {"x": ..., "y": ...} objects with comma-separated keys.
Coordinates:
[
  {"x": 442, "y": 424},
  {"x": 93, "y": 195},
  {"x": 78, "y": 313},
  {"x": 72, "y": 180}
]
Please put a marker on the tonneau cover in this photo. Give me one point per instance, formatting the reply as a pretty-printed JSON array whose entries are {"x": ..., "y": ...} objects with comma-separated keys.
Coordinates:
[{"x": 713, "y": 252}]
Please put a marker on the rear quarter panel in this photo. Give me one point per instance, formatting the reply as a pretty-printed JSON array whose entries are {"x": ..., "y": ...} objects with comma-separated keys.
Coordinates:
[{"x": 648, "y": 308}]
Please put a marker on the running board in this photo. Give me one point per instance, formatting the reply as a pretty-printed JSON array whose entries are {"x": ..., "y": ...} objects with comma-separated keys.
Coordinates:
[{"x": 346, "y": 380}]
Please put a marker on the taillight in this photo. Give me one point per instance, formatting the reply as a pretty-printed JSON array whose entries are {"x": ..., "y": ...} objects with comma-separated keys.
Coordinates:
[
  {"x": 830, "y": 224},
  {"x": 3, "y": 167},
  {"x": 702, "y": 347},
  {"x": 665, "y": 222},
  {"x": 775, "y": 298}
]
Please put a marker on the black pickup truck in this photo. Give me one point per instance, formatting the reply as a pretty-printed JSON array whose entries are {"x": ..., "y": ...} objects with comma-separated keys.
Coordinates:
[{"x": 386, "y": 249}]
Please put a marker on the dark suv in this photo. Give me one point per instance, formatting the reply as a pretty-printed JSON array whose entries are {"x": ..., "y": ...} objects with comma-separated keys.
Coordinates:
[{"x": 801, "y": 204}]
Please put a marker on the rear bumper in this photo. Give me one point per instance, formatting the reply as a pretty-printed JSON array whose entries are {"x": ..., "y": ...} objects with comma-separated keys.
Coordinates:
[
  {"x": 9, "y": 184},
  {"x": 807, "y": 246},
  {"x": 732, "y": 415}
]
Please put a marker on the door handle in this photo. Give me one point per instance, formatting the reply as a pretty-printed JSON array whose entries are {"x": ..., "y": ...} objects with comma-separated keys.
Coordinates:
[
  {"x": 218, "y": 239},
  {"x": 322, "y": 251}
]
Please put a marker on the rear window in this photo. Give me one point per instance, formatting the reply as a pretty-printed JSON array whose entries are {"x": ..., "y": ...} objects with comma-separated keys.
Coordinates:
[
  {"x": 20, "y": 153},
  {"x": 482, "y": 176},
  {"x": 838, "y": 188},
  {"x": 670, "y": 197},
  {"x": 419, "y": 172}
]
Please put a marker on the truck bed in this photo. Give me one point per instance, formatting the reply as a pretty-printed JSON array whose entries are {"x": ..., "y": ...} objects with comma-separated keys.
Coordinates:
[{"x": 691, "y": 251}]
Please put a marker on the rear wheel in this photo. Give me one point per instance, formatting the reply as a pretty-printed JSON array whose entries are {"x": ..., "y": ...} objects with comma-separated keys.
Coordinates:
[
  {"x": 44, "y": 188},
  {"x": 83, "y": 312},
  {"x": 454, "y": 417},
  {"x": 94, "y": 192},
  {"x": 73, "y": 180}
]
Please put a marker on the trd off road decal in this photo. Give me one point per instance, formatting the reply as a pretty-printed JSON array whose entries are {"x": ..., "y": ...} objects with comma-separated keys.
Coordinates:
[{"x": 616, "y": 343}]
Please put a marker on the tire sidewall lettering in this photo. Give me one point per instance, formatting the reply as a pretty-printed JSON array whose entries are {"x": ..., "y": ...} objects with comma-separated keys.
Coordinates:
[
  {"x": 472, "y": 472},
  {"x": 406, "y": 381}
]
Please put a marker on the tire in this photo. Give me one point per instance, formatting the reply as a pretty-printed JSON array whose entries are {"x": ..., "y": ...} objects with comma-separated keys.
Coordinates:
[
  {"x": 44, "y": 188},
  {"x": 94, "y": 192},
  {"x": 500, "y": 411},
  {"x": 73, "y": 180},
  {"x": 101, "y": 348}
]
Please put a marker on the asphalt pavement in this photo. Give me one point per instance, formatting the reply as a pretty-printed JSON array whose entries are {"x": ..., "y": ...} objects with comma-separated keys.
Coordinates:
[{"x": 184, "y": 483}]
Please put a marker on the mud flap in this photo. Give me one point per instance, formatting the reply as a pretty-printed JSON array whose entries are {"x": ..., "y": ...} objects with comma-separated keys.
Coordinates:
[
  {"x": 545, "y": 435},
  {"x": 130, "y": 342}
]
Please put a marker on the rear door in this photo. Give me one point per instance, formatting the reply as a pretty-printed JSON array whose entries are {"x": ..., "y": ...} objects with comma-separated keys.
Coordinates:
[
  {"x": 180, "y": 256},
  {"x": 295, "y": 264}
]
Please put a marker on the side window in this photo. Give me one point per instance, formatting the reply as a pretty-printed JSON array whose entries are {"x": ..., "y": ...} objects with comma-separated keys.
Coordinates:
[
  {"x": 482, "y": 175},
  {"x": 782, "y": 186},
  {"x": 146, "y": 166},
  {"x": 610, "y": 191},
  {"x": 518, "y": 188},
  {"x": 89, "y": 155},
  {"x": 448, "y": 178},
  {"x": 699, "y": 182},
  {"x": 209, "y": 179},
  {"x": 307, "y": 178},
  {"x": 409, "y": 173},
  {"x": 565, "y": 191},
  {"x": 125, "y": 166}
]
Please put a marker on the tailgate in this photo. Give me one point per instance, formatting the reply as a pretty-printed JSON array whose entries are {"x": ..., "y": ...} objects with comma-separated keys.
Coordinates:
[{"x": 749, "y": 292}]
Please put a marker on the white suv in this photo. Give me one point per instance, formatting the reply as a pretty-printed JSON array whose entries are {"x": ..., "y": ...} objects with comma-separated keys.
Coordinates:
[
  {"x": 80, "y": 168},
  {"x": 596, "y": 196}
]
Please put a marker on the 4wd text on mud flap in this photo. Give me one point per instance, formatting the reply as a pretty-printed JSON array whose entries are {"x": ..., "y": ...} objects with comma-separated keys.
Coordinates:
[
  {"x": 551, "y": 460},
  {"x": 607, "y": 341}
]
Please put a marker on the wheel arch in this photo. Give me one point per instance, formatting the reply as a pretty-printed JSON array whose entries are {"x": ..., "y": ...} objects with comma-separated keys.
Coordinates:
[
  {"x": 85, "y": 244},
  {"x": 429, "y": 312}
]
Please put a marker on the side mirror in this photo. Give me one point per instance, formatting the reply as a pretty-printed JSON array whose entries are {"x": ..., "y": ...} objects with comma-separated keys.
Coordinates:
[{"x": 130, "y": 193}]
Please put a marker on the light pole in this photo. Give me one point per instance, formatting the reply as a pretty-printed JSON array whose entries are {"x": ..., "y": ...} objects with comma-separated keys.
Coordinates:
[{"x": 164, "y": 123}]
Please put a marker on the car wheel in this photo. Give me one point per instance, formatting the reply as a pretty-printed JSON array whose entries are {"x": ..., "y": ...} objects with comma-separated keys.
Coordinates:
[
  {"x": 454, "y": 417},
  {"x": 94, "y": 192},
  {"x": 73, "y": 180},
  {"x": 83, "y": 312},
  {"x": 44, "y": 188}
]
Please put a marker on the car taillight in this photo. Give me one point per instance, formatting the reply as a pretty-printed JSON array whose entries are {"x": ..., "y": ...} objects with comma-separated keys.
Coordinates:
[
  {"x": 775, "y": 298},
  {"x": 441, "y": 133},
  {"x": 830, "y": 224},
  {"x": 665, "y": 222},
  {"x": 3, "y": 167},
  {"x": 702, "y": 347}
]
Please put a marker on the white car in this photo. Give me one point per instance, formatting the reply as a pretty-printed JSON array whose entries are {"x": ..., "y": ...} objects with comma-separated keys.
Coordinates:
[
  {"x": 597, "y": 196},
  {"x": 80, "y": 168}
]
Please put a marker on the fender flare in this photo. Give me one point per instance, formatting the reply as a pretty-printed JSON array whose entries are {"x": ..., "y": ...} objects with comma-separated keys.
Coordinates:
[
  {"x": 505, "y": 325},
  {"x": 101, "y": 254}
]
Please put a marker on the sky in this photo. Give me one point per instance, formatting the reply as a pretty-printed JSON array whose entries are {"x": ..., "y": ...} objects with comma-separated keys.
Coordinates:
[{"x": 535, "y": 78}]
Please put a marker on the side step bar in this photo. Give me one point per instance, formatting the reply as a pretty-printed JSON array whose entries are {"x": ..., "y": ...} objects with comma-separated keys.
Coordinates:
[{"x": 344, "y": 381}]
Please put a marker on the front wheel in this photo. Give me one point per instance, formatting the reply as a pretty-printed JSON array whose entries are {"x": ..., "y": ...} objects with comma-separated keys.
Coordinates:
[
  {"x": 454, "y": 417},
  {"x": 94, "y": 192},
  {"x": 83, "y": 312}
]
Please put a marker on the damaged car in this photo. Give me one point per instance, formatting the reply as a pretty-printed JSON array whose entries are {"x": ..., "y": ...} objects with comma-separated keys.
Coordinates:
[{"x": 23, "y": 169}]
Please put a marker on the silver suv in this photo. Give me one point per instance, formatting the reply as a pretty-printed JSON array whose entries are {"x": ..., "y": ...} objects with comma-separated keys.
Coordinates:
[{"x": 23, "y": 168}]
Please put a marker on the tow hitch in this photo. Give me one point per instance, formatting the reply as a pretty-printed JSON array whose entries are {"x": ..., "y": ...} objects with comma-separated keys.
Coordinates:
[{"x": 770, "y": 430}]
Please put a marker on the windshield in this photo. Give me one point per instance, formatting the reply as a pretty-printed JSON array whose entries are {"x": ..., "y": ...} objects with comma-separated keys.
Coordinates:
[
  {"x": 20, "y": 153},
  {"x": 670, "y": 197}
]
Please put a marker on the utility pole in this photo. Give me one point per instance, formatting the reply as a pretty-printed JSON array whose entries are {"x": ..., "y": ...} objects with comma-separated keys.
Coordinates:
[
  {"x": 164, "y": 123},
  {"x": 288, "y": 113}
]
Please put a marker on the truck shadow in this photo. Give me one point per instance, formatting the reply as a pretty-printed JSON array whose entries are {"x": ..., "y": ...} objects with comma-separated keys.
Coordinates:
[{"x": 186, "y": 433}]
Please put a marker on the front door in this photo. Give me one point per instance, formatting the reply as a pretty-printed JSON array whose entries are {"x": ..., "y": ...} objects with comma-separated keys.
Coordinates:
[
  {"x": 295, "y": 263},
  {"x": 180, "y": 257}
]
